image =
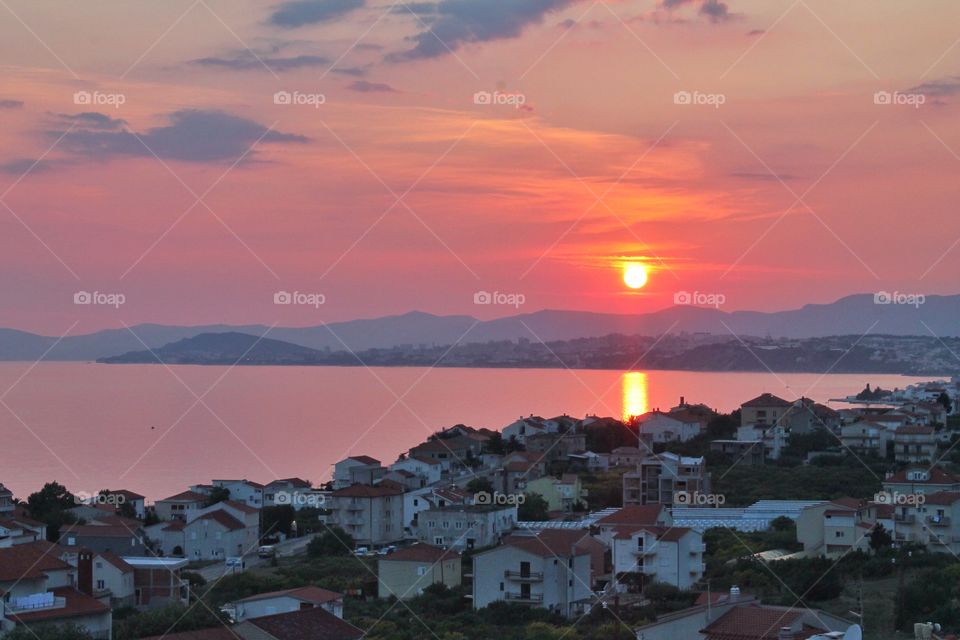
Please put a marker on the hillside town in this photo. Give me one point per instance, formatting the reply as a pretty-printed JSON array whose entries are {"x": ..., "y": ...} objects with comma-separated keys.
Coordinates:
[{"x": 677, "y": 523}]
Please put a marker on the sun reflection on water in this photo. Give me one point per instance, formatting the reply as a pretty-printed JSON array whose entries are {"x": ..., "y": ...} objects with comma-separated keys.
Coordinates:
[{"x": 635, "y": 394}]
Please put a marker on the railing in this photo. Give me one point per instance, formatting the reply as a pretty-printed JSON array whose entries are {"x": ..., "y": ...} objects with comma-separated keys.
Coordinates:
[
  {"x": 529, "y": 576},
  {"x": 939, "y": 521},
  {"x": 58, "y": 603},
  {"x": 512, "y": 596}
]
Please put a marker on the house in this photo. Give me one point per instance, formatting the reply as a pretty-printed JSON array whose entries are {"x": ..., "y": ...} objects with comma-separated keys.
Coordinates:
[
  {"x": 765, "y": 409},
  {"x": 659, "y": 477},
  {"x": 835, "y": 528},
  {"x": 659, "y": 427},
  {"x": 16, "y": 530},
  {"x": 773, "y": 438},
  {"x": 747, "y": 452},
  {"x": 427, "y": 470},
  {"x": 518, "y": 468},
  {"x": 313, "y": 623},
  {"x": 111, "y": 577},
  {"x": 920, "y": 480},
  {"x": 136, "y": 501},
  {"x": 419, "y": 500},
  {"x": 286, "y": 601},
  {"x": 806, "y": 416},
  {"x": 6, "y": 502},
  {"x": 466, "y": 526},
  {"x": 244, "y": 491},
  {"x": 866, "y": 437},
  {"x": 157, "y": 582},
  {"x": 405, "y": 573},
  {"x": 556, "y": 446},
  {"x": 628, "y": 456},
  {"x": 560, "y": 493},
  {"x": 522, "y": 428},
  {"x": 224, "y": 529},
  {"x": 933, "y": 521},
  {"x": 372, "y": 515},
  {"x": 295, "y": 492},
  {"x": 643, "y": 539},
  {"x": 39, "y": 585},
  {"x": 579, "y": 539},
  {"x": 179, "y": 506},
  {"x": 741, "y": 617},
  {"x": 356, "y": 470},
  {"x": 119, "y": 536},
  {"x": 546, "y": 571},
  {"x": 591, "y": 461},
  {"x": 454, "y": 453},
  {"x": 914, "y": 444}
]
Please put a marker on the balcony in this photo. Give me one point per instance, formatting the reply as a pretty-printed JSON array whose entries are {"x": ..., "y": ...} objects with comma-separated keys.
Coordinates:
[
  {"x": 643, "y": 551},
  {"x": 938, "y": 521},
  {"x": 520, "y": 576},
  {"x": 528, "y": 598},
  {"x": 38, "y": 602}
]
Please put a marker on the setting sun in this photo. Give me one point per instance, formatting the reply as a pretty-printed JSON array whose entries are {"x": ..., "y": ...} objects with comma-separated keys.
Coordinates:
[{"x": 635, "y": 275}]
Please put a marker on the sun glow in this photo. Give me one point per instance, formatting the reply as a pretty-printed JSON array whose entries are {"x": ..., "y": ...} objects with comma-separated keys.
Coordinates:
[
  {"x": 635, "y": 394},
  {"x": 635, "y": 275}
]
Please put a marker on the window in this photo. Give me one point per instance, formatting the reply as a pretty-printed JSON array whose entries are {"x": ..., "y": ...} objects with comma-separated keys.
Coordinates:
[
  {"x": 438, "y": 540},
  {"x": 421, "y": 571},
  {"x": 100, "y": 585}
]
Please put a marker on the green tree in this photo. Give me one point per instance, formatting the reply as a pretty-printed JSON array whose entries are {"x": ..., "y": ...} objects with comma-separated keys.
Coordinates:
[
  {"x": 534, "y": 507},
  {"x": 880, "y": 538},
  {"x": 278, "y": 519},
  {"x": 49, "y": 505},
  {"x": 480, "y": 485},
  {"x": 332, "y": 542},
  {"x": 217, "y": 494}
]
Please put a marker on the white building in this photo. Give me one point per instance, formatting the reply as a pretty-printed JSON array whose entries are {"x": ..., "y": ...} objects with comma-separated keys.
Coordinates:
[
  {"x": 660, "y": 427},
  {"x": 372, "y": 515},
  {"x": 286, "y": 601},
  {"x": 356, "y": 470},
  {"x": 463, "y": 526},
  {"x": 545, "y": 571}
]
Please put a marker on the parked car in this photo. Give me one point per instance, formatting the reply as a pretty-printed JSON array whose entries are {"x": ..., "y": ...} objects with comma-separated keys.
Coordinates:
[
  {"x": 361, "y": 551},
  {"x": 267, "y": 551}
]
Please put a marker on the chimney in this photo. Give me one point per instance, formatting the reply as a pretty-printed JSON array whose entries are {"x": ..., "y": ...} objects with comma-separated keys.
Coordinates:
[
  {"x": 734, "y": 593},
  {"x": 786, "y": 633},
  {"x": 85, "y": 571},
  {"x": 681, "y": 401}
]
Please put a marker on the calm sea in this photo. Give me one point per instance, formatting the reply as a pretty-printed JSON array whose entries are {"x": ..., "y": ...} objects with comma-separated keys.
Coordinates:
[{"x": 156, "y": 430}]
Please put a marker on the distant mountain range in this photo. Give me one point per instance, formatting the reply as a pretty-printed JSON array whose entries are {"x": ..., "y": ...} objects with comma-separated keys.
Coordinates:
[{"x": 852, "y": 315}]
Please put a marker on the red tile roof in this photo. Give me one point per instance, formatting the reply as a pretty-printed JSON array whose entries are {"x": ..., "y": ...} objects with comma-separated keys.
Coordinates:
[
  {"x": 767, "y": 400},
  {"x": 914, "y": 429},
  {"x": 30, "y": 560},
  {"x": 77, "y": 604},
  {"x": 221, "y": 517},
  {"x": 116, "y": 561},
  {"x": 752, "y": 622},
  {"x": 421, "y": 552},
  {"x": 307, "y": 624},
  {"x": 186, "y": 496},
  {"x": 549, "y": 543},
  {"x": 364, "y": 459},
  {"x": 239, "y": 506},
  {"x": 300, "y": 483},
  {"x": 129, "y": 495},
  {"x": 943, "y": 498},
  {"x": 316, "y": 595},
  {"x": 937, "y": 476},
  {"x": 97, "y": 531}
]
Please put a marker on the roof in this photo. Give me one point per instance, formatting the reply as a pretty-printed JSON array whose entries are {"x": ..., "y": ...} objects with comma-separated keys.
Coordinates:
[
  {"x": 116, "y": 561},
  {"x": 549, "y": 543},
  {"x": 129, "y": 495},
  {"x": 421, "y": 552},
  {"x": 307, "y": 624},
  {"x": 633, "y": 515},
  {"x": 914, "y": 429},
  {"x": 364, "y": 459},
  {"x": 423, "y": 459},
  {"x": 98, "y": 531},
  {"x": 316, "y": 595},
  {"x": 367, "y": 491},
  {"x": 213, "y": 633},
  {"x": 186, "y": 496},
  {"x": 753, "y": 622},
  {"x": 77, "y": 604},
  {"x": 221, "y": 517},
  {"x": 937, "y": 476},
  {"x": 300, "y": 483},
  {"x": 767, "y": 400},
  {"x": 30, "y": 560},
  {"x": 175, "y": 525},
  {"x": 665, "y": 534},
  {"x": 849, "y": 503},
  {"x": 942, "y": 498},
  {"x": 239, "y": 506}
]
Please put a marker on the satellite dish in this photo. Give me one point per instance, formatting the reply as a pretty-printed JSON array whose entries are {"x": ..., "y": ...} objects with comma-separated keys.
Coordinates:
[{"x": 853, "y": 633}]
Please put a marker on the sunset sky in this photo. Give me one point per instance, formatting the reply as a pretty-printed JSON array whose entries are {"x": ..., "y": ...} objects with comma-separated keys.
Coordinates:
[{"x": 185, "y": 186}]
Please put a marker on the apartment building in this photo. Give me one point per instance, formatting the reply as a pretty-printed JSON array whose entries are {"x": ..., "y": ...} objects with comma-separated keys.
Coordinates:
[
  {"x": 659, "y": 477},
  {"x": 934, "y": 522},
  {"x": 372, "y": 514},
  {"x": 357, "y": 470},
  {"x": 670, "y": 555},
  {"x": 465, "y": 526},
  {"x": 835, "y": 528},
  {"x": 914, "y": 444},
  {"x": 546, "y": 571},
  {"x": 180, "y": 506}
]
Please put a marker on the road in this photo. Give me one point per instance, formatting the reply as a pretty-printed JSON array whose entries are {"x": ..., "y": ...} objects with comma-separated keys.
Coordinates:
[{"x": 287, "y": 548}]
